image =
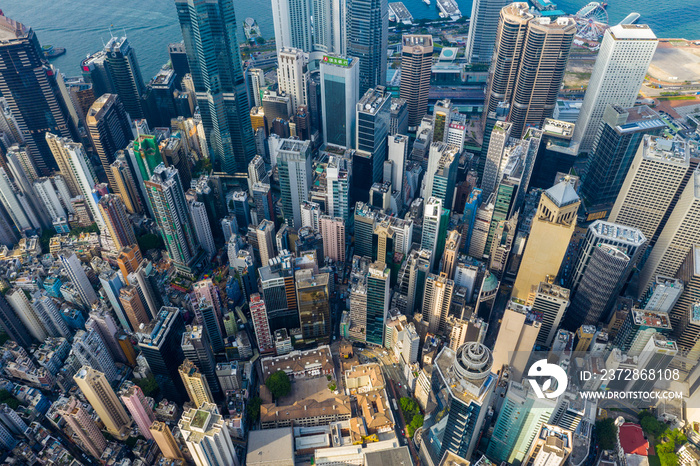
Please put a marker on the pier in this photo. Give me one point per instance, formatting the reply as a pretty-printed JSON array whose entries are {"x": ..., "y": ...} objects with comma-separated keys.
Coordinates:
[
  {"x": 449, "y": 9},
  {"x": 401, "y": 13}
]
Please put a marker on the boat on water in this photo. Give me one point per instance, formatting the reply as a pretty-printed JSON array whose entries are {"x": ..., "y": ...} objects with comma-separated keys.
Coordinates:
[
  {"x": 427, "y": 2},
  {"x": 52, "y": 52}
]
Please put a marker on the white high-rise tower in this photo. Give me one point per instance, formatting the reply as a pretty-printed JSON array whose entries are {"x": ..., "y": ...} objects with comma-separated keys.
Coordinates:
[{"x": 623, "y": 60}]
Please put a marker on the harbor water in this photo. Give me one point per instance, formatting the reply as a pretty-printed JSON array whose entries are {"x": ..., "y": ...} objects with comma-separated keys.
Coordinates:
[{"x": 81, "y": 26}]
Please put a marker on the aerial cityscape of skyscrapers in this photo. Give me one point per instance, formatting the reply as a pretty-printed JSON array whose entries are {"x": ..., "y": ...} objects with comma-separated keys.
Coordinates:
[{"x": 372, "y": 239}]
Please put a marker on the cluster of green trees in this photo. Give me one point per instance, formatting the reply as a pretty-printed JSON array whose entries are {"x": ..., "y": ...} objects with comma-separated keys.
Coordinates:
[
  {"x": 668, "y": 441},
  {"x": 149, "y": 386},
  {"x": 253, "y": 409},
  {"x": 150, "y": 241},
  {"x": 412, "y": 415},
  {"x": 606, "y": 431},
  {"x": 279, "y": 384},
  {"x": 7, "y": 398}
]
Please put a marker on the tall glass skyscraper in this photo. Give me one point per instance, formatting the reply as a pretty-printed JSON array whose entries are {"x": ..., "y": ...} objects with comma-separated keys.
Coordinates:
[
  {"x": 29, "y": 85},
  {"x": 209, "y": 31},
  {"x": 368, "y": 38}
]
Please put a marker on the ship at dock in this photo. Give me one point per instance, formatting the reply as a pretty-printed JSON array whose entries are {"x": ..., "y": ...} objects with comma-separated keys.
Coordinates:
[
  {"x": 449, "y": 9},
  {"x": 400, "y": 13}
]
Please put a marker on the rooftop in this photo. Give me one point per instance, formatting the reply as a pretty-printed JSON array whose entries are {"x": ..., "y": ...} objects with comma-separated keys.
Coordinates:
[
  {"x": 620, "y": 233},
  {"x": 467, "y": 372},
  {"x": 632, "y": 439},
  {"x": 632, "y": 32},
  {"x": 558, "y": 128},
  {"x": 651, "y": 319},
  {"x": 665, "y": 150},
  {"x": 562, "y": 194},
  {"x": 11, "y": 29},
  {"x": 270, "y": 446}
]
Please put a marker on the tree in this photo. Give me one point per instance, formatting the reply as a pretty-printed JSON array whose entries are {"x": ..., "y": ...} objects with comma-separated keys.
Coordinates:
[
  {"x": 150, "y": 241},
  {"x": 606, "y": 432},
  {"x": 254, "y": 409},
  {"x": 279, "y": 384},
  {"x": 149, "y": 386}
]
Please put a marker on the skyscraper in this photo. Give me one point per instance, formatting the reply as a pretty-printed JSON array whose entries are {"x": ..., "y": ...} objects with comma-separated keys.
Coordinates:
[
  {"x": 619, "y": 134},
  {"x": 139, "y": 408},
  {"x": 77, "y": 275},
  {"x": 627, "y": 239},
  {"x": 103, "y": 400},
  {"x": 367, "y": 33},
  {"x": 616, "y": 77},
  {"x": 678, "y": 237},
  {"x": 123, "y": 69},
  {"x": 166, "y": 442},
  {"x": 209, "y": 32},
  {"x": 13, "y": 325},
  {"x": 435, "y": 219},
  {"x": 292, "y": 73},
  {"x": 127, "y": 189},
  {"x": 377, "y": 301},
  {"x": 551, "y": 230},
  {"x": 599, "y": 286},
  {"x": 84, "y": 427},
  {"x": 266, "y": 240},
  {"x": 440, "y": 177},
  {"x": 437, "y": 299},
  {"x": 519, "y": 420},
  {"x": 50, "y": 315},
  {"x": 195, "y": 384},
  {"x": 197, "y": 348},
  {"x": 373, "y": 127},
  {"x": 552, "y": 446},
  {"x": 118, "y": 224},
  {"x": 416, "y": 66},
  {"x": 530, "y": 59},
  {"x": 294, "y": 167},
  {"x": 134, "y": 308},
  {"x": 551, "y": 302},
  {"x": 206, "y": 436},
  {"x": 500, "y": 135},
  {"x": 292, "y": 22},
  {"x": 110, "y": 130},
  {"x": 333, "y": 232},
  {"x": 26, "y": 313},
  {"x": 657, "y": 172},
  {"x": 516, "y": 339},
  {"x": 314, "y": 307},
  {"x": 202, "y": 228},
  {"x": 466, "y": 383},
  {"x": 398, "y": 155},
  {"x": 340, "y": 91},
  {"x": 172, "y": 216},
  {"x": 482, "y": 30},
  {"x": 159, "y": 342},
  {"x": 29, "y": 85},
  {"x": 261, "y": 325}
]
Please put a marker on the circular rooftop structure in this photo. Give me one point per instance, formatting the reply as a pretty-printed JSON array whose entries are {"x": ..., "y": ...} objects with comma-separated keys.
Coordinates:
[{"x": 473, "y": 361}]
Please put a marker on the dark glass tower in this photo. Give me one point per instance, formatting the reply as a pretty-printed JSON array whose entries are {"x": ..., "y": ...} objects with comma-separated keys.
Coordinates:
[
  {"x": 13, "y": 326},
  {"x": 209, "y": 31},
  {"x": 125, "y": 74},
  {"x": 614, "y": 148},
  {"x": 29, "y": 85},
  {"x": 160, "y": 343},
  {"x": 368, "y": 38}
]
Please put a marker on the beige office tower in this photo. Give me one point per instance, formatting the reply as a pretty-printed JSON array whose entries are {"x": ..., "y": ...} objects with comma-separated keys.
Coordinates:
[
  {"x": 166, "y": 442},
  {"x": 59, "y": 149},
  {"x": 126, "y": 186},
  {"x": 648, "y": 191},
  {"x": 550, "y": 302},
  {"x": 207, "y": 437},
  {"x": 266, "y": 241},
  {"x": 195, "y": 384},
  {"x": 333, "y": 233},
  {"x": 416, "y": 66},
  {"x": 528, "y": 65},
  {"x": 103, "y": 400},
  {"x": 451, "y": 254},
  {"x": 551, "y": 447},
  {"x": 134, "y": 307},
  {"x": 500, "y": 135},
  {"x": 516, "y": 340},
  {"x": 679, "y": 235},
  {"x": 84, "y": 427},
  {"x": 551, "y": 231},
  {"x": 437, "y": 299}
]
